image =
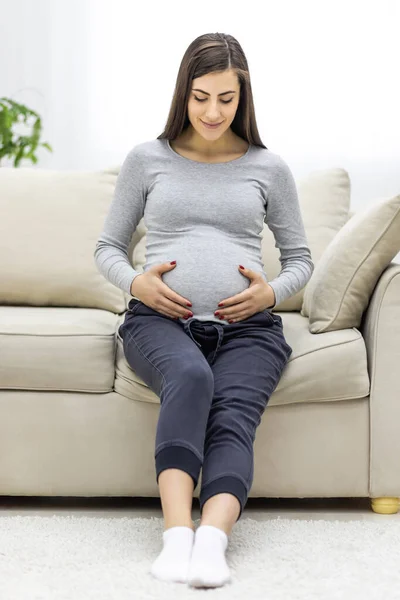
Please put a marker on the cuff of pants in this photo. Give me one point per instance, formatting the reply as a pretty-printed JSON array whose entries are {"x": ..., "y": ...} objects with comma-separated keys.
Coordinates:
[
  {"x": 178, "y": 457},
  {"x": 227, "y": 485}
]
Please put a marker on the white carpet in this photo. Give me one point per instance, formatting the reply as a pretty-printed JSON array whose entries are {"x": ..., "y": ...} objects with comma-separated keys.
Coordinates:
[{"x": 83, "y": 558}]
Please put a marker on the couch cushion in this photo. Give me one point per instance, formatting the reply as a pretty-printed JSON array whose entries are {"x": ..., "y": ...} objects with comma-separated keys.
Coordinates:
[
  {"x": 50, "y": 348},
  {"x": 50, "y": 223},
  {"x": 342, "y": 283},
  {"x": 322, "y": 368}
]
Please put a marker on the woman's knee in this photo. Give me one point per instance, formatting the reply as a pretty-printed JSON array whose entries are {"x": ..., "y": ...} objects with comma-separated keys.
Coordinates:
[{"x": 198, "y": 373}]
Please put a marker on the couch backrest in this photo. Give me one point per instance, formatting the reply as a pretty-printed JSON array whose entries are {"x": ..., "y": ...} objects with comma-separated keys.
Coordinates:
[
  {"x": 49, "y": 225},
  {"x": 51, "y": 220}
]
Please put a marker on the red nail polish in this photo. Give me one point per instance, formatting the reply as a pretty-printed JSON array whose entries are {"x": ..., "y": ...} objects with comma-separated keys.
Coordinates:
[{"x": 221, "y": 304}]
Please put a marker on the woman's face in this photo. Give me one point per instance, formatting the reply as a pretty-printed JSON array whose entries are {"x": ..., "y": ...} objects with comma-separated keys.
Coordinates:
[{"x": 217, "y": 102}]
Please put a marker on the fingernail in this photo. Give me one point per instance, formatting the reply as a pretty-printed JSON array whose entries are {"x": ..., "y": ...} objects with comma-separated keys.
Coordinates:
[
  {"x": 221, "y": 304},
  {"x": 189, "y": 304}
]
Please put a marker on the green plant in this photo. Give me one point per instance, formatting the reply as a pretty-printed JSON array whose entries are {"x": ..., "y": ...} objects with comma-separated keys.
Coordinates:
[{"x": 23, "y": 146}]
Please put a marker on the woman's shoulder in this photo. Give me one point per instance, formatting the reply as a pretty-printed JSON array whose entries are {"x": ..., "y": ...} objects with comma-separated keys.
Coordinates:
[
  {"x": 265, "y": 157},
  {"x": 146, "y": 149}
]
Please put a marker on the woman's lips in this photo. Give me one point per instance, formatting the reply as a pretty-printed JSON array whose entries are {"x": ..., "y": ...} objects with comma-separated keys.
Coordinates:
[{"x": 211, "y": 126}]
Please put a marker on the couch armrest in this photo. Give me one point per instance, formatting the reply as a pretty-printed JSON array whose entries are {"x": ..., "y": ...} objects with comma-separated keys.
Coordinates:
[{"x": 380, "y": 328}]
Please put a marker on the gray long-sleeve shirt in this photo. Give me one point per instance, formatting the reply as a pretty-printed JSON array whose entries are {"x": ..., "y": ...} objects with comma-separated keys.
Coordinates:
[{"x": 209, "y": 218}]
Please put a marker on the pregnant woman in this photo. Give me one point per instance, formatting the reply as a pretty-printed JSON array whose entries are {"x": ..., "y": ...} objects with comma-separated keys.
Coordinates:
[{"x": 199, "y": 329}]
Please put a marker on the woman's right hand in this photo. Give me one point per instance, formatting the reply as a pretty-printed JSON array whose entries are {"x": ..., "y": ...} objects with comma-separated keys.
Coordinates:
[{"x": 153, "y": 292}]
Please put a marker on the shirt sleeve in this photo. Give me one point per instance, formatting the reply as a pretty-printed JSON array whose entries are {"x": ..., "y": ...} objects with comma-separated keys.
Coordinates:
[
  {"x": 283, "y": 218},
  {"x": 126, "y": 210}
]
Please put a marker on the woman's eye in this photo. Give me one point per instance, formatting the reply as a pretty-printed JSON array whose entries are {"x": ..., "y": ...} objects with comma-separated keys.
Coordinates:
[{"x": 204, "y": 99}]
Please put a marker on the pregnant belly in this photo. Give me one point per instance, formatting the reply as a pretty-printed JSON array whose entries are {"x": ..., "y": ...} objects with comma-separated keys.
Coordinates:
[{"x": 207, "y": 277}]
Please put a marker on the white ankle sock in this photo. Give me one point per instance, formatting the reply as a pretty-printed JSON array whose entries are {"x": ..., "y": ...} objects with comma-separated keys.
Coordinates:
[
  {"x": 208, "y": 567},
  {"x": 172, "y": 563}
]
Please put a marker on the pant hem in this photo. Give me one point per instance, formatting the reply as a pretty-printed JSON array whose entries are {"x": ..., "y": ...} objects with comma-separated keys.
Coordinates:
[
  {"x": 225, "y": 484},
  {"x": 178, "y": 457}
]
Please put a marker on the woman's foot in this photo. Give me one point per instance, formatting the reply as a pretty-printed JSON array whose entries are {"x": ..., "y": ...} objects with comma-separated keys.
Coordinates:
[
  {"x": 208, "y": 566},
  {"x": 172, "y": 564}
]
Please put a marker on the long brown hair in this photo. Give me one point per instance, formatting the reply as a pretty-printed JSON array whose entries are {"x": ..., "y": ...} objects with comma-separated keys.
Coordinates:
[{"x": 209, "y": 53}]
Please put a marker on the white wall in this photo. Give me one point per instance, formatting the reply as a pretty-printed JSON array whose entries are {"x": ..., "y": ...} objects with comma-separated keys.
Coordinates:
[
  {"x": 43, "y": 63},
  {"x": 102, "y": 75}
]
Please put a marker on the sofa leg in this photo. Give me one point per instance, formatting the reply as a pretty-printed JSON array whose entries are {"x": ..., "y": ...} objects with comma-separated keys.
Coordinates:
[{"x": 385, "y": 506}]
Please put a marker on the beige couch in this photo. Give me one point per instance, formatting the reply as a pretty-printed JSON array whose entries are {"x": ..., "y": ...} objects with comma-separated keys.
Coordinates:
[{"x": 75, "y": 419}]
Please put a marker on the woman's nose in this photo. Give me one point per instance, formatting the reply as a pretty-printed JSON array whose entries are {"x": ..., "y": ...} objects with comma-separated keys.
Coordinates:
[{"x": 212, "y": 118}]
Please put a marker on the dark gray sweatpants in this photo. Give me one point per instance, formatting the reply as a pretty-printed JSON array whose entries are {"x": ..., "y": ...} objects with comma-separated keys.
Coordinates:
[{"x": 214, "y": 381}]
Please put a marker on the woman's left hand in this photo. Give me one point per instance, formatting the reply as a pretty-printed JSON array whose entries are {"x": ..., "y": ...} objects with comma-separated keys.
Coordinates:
[{"x": 257, "y": 297}]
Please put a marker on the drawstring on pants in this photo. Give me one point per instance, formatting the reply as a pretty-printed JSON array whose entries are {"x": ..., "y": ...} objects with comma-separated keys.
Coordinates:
[{"x": 196, "y": 324}]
